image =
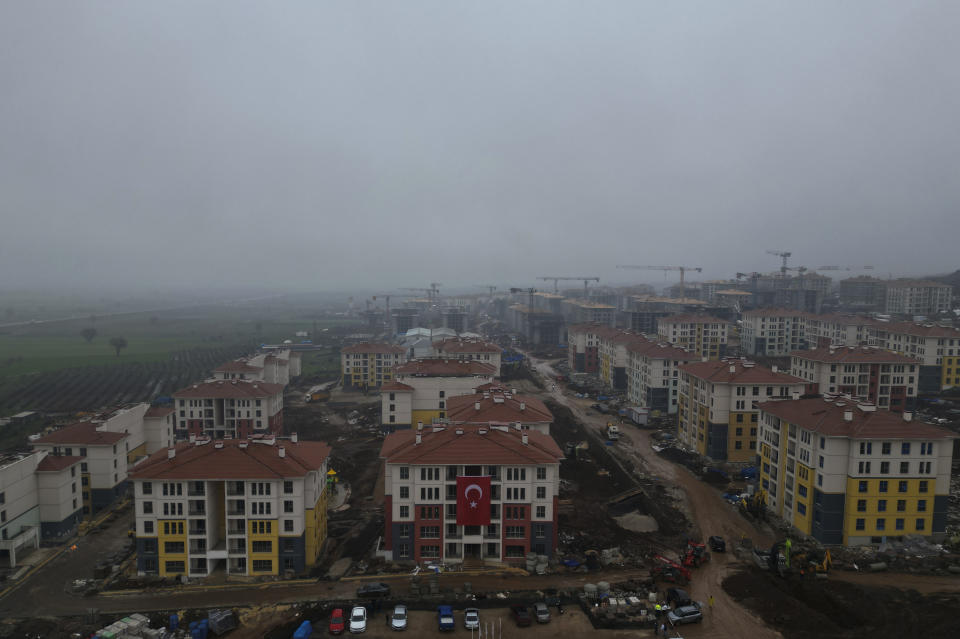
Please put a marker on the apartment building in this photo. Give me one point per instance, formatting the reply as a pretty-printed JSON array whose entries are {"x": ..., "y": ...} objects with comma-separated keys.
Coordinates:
[
  {"x": 496, "y": 404},
  {"x": 917, "y": 297},
  {"x": 773, "y": 332},
  {"x": 469, "y": 349},
  {"x": 849, "y": 474},
  {"x": 936, "y": 347},
  {"x": 614, "y": 355},
  {"x": 470, "y": 493},
  {"x": 274, "y": 367},
  {"x": 653, "y": 375},
  {"x": 717, "y": 414},
  {"x": 369, "y": 365},
  {"x": 254, "y": 507},
  {"x": 103, "y": 460},
  {"x": 586, "y": 312},
  {"x": 422, "y": 388},
  {"x": 583, "y": 347},
  {"x": 840, "y": 330},
  {"x": 879, "y": 376},
  {"x": 863, "y": 293},
  {"x": 231, "y": 409},
  {"x": 703, "y": 335}
]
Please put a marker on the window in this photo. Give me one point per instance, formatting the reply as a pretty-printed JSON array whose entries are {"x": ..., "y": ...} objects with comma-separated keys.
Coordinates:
[
  {"x": 901, "y": 505},
  {"x": 905, "y": 448},
  {"x": 921, "y": 505},
  {"x": 923, "y": 486},
  {"x": 541, "y": 512},
  {"x": 541, "y": 492},
  {"x": 175, "y": 567},
  {"x": 287, "y": 525},
  {"x": 882, "y": 505},
  {"x": 823, "y": 442},
  {"x": 904, "y": 468},
  {"x": 403, "y": 551},
  {"x": 174, "y": 547},
  {"x": 802, "y": 490},
  {"x": 404, "y": 511},
  {"x": 861, "y": 505},
  {"x": 860, "y": 524},
  {"x": 261, "y": 546},
  {"x": 405, "y": 531},
  {"x": 262, "y": 565},
  {"x": 515, "y": 532},
  {"x": 430, "y": 532},
  {"x": 288, "y": 506},
  {"x": 866, "y": 448},
  {"x": 288, "y": 487},
  {"x": 801, "y": 508},
  {"x": 883, "y": 486},
  {"x": 541, "y": 472},
  {"x": 148, "y": 508},
  {"x": 884, "y": 468},
  {"x": 898, "y": 524},
  {"x": 539, "y": 530},
  {"x": 881, "y": 523},
  {"x": 404, "y": 472},
  {"x": 919, "y": 524},
  {"x": 148, "y": 527},
  {"x": 863, "y": 486},
  {"x": 885, "y": 448},
  {"x": 404, "y": 492},
  {"x": 901, "y": 487}
]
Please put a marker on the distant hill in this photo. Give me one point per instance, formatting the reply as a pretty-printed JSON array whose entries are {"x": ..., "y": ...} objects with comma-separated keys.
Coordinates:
[{"x": 953, "y": 279}]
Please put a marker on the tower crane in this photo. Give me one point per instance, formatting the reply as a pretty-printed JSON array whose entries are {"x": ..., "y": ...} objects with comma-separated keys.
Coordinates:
[
  {"x": 556, "y": 281},
  {"x": 490, "y": 287},
  {"x": 845, "y": 268},
  {"x": 433, "y": 292},
  {"x": 683, "y": 270},
  {"x": 784, "y": 255}
]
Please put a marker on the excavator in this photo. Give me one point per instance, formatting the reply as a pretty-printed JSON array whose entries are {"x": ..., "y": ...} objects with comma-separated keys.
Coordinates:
[
  {"x": 669, "y": 570},
  {"x": 755, "y": 505},
  {"x": 784, "y": 561}
]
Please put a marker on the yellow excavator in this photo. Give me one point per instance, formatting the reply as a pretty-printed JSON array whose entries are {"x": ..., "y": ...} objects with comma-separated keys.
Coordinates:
[{"x": 755, "y": 504}]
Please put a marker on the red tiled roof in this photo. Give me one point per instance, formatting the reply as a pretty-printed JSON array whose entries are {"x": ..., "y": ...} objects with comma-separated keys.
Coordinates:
[
  {"x": 447, "y": 447},
  {"x": 918, "y": 330},
  {"x": 662, "y": 350},
  {"x": 459, "y": 345},
  {"x": 159, "y": 411},
  {"x": 371, "y": 347},
  {"x": 81, "y": 434},
  {"x": 229, "y": 389},
  {"x": 719, "y": 372},
  {"x": 691, "y": 318},
  {"x": 254, "y": 461},
  {"x": 237, "y": 366},
  {"x": 54, "y": 463},
  {"x": 445, "y": 368},
  {"x": 397, "y": 386},
  {"x": 497, "y": 407},
  {"x": 827, "y": 418},
  {"x": 774, "y": 312},
  {"x": 853, "y": 355}
]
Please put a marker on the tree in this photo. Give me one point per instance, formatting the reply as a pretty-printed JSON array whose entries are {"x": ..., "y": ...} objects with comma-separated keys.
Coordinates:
[
  {"x": 118, "y": 344},
  {"x": 154, "y": 319},
  {"x": 88, "y": 334}
]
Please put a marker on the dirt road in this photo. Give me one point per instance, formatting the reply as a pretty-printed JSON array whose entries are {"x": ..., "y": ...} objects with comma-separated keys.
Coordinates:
[{"x": 710, "y": 514}]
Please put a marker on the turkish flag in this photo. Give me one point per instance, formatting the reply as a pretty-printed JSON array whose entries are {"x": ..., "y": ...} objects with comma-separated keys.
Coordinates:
[{"x": 473, "y": 501}]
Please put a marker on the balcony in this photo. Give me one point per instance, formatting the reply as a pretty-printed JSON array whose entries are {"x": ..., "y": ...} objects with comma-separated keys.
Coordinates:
[
  {"x": 237, "y": 509},
  {"x": 196, "y": 512},
  {"x": 197, "y": 530},
  {"x": 237, "y": 527}
]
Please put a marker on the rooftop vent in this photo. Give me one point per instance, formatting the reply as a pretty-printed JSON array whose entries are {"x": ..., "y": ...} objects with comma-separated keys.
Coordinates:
[
  {"x": 282, "y": 451},
  {"x": 908, "y": 417},
  {"x": 848, "y": 415},
  {"x": 774, "y": 368},
  {"x": 525, "y": 438},
  {"x": 482, "y": 431},
  {"x": 243, "y": 444},
  {"x": 419, "y": 438},
  {"x": 733, "y": 368},
  {"x": 459, "y": 431},
  {"x": 795, "y": 395},
  {"x": 523, "y": 405},
  {"x": 218, "y": 444},
  {"x": 171, "y": 453},
  {"x": 294, "y": 438},
  {"x": 476, "y": 406},
  {"x": 867, "y": 407}
]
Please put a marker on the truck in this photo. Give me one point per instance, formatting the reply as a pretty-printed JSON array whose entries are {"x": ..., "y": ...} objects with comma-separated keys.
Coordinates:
[
  {"x": 613, "y": 431},
  {"x": 445, "y": 618}
]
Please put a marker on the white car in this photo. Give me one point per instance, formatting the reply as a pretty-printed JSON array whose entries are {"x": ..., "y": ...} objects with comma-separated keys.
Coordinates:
[
  {"x": 471, "y": 618},
  {"x": 358, "y": 619}
]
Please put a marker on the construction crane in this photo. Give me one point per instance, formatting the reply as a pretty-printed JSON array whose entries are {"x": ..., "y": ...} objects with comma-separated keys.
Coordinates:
[
  {"x": 784, "y": 255},
  {"x": 845, "y": 268},
  {"x": 556, "y": 281},
  {"x": 433, "y": 292},
  {"x": 528, "y": 291},
  {"x": 683, "y": 270},
  {"x": 490, "y": 287}
]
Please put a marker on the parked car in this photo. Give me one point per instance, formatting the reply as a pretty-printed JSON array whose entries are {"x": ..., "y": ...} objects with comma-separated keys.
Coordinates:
[
  {"x": 445, "y": 618},
  {"x": 541, "y": 612},
  {"x": 374, "y": 589},
  {"x": 398, "y": 620},
  {"x": 678, "y": 597},
  {"x": 685, "y": 614},
  {"x": 717, "y": 544},
  {"x": 521, "y": 615},
  {"x": 471, "y": 618},
  {"x": 358, "y": 619},
  {"x": 337, "y": 625}
]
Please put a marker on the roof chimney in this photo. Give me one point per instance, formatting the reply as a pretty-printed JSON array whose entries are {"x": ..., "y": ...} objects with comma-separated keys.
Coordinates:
[
  {"x": 795, "y": 395},
  {"x": 419, "y": 426},
  {"x": 733, "y": 367},
  {"x": 908, "y": 416},
  {"x": 848, "y": 415},
  {"x": 525, "y": 438},
  {"x": 171, "y": 453},
  {"x": 523, "y": 405},
  {"x": 193, "y": 438},
  {"x": 476, "y": 406},
  {"x": 459, "y": 431},
  {"x": 282, "y": 451},
  {"x": 294, "y": 438},
  {"x": 419, "y": 438},
  {"x": 774, "y": 368}
]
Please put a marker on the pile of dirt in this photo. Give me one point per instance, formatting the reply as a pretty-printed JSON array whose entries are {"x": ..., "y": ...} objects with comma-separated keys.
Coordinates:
[{"x": 805, "y": 607}]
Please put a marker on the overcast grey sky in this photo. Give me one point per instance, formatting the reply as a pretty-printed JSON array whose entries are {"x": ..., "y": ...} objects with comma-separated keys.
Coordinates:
[{"x": 395, "y": 143}]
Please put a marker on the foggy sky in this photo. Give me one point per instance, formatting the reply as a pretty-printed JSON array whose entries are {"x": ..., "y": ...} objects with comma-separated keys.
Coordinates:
[{"x": 381, "y": 144}]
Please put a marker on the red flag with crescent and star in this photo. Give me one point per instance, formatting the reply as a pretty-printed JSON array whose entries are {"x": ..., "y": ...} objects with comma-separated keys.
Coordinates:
[{"x": 473, "y": 501}]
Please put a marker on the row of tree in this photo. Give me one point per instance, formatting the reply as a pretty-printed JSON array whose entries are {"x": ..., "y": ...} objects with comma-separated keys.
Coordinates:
[{"x": 118, "y": 343}]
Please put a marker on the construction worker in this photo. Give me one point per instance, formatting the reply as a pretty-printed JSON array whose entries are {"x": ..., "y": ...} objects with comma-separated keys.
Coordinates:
[{"x": 710, "y": 602}]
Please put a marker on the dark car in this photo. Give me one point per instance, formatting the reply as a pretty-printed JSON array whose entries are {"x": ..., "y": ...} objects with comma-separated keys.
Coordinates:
[
  {"x": 521, "y": 615},
  {"x": 374, "y": 589},
  {"x": 685, "y": 614},
  {"x": 677, "y": 597},
  {"x": 717, "y": 544}
]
